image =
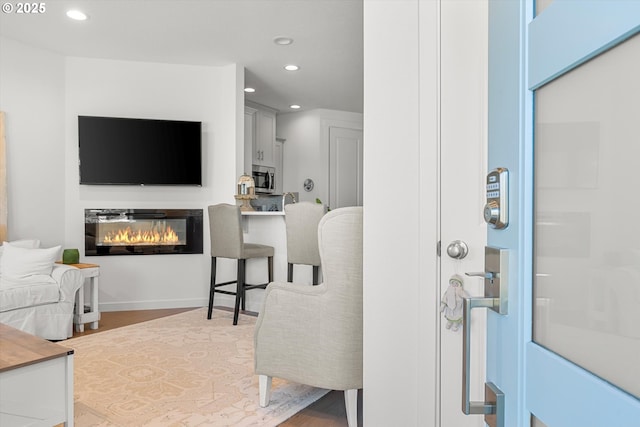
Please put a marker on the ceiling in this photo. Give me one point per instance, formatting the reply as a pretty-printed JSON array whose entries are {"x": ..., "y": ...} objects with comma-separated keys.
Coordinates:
[{"x": 327, "y": 44}]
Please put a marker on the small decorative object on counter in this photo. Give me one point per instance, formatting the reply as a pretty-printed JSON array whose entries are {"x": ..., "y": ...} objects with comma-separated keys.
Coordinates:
[
  {"x": 318, "y": 201},
  {"x": 70, "y": 256},
  {"x": 451, "y": 305},
  {"x": 246, "y": 186},
  {"x": 246, "y": 192}
]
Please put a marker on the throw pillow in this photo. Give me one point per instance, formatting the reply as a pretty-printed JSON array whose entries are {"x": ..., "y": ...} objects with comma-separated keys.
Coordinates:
[
  {"x": 20, "y": 263},
  {"x": 24, "y": 243}
]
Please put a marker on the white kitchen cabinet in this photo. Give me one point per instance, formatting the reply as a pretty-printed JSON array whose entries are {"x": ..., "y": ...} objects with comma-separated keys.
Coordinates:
[
  {"x": 249, "y": 137},
  {"x": 278, "y": 157},
  {"x": 263, "y": 134}
]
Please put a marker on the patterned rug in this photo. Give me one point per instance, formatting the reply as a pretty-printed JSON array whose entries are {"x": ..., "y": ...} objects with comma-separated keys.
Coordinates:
[{"x": 181, "y": 370}]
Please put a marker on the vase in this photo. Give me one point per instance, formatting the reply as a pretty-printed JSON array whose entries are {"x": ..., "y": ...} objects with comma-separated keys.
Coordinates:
[{"x": 70, "y": 256}]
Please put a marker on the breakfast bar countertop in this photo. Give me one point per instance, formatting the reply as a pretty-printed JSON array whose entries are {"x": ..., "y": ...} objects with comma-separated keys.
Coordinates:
[{"x": 262, "y": 213}]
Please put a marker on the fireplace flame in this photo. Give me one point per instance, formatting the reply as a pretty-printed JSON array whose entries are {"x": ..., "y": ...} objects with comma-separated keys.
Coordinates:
[{"x": 128, "y": 236}]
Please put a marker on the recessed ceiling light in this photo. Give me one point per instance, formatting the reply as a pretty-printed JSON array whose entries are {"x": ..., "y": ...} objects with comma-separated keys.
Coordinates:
[
  {"x": 294, "y": 107},
  {"x": 77, "y": 15},
  {"x": 249, "y": 89},
  {"x": 291, "y": 67},
  {"x": 283, "y": 41}
]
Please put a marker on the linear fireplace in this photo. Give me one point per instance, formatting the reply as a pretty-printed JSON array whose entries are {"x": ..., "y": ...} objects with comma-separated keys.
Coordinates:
[{"x": 142, "y": 231}]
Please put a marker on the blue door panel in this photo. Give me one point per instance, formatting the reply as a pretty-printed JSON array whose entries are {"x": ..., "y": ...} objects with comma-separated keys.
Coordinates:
[
  {"x": 564, "y": 36},
  {"x": 562, "y": 394},
  {"x": 525, "y": 53}
]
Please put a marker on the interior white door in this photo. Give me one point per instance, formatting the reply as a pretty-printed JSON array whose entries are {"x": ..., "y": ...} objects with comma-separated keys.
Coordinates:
[
  {"x": 345, "y": 167},
  {"x": 463, "y": 158}
]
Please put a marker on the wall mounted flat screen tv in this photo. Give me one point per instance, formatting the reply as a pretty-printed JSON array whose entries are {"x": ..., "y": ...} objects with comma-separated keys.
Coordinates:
[{"x": 124, "y": 151}]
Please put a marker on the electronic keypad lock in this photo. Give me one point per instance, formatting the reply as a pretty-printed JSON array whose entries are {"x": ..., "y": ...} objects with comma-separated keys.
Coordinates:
[{"x": 496, "y": 210}]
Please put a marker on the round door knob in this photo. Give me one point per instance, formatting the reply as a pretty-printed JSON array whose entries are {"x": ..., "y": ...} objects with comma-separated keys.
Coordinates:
[{"x": 457, "y": 249}]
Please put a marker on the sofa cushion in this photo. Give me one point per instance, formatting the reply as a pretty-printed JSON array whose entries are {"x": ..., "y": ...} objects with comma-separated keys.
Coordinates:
[
  {"x": 28, "y": 296},
  {"x": 21, "y": 264}
]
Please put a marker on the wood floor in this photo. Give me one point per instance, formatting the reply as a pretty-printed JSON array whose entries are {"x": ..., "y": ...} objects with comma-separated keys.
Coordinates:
[{"x": 326, "y": 412}]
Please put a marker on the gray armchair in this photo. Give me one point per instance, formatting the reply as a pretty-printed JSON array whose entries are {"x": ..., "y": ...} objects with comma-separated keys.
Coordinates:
[{"x": 313, "y": 334}]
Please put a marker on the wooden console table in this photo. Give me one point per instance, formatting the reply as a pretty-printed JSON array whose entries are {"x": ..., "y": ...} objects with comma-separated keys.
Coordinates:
[
  {"x": 36, "y": 380},
  {"x": 91, "y": 272}
]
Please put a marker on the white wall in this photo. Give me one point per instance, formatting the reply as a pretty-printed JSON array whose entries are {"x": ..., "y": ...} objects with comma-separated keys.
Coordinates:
[
  {"x": 42, "y": 93},
  {"x": 306, "y": 150},
  {"x": 32, "y": 97},
  {"x": 157, "y": 91}
]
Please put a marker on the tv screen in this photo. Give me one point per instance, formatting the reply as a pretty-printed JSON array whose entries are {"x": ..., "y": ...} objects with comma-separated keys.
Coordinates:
[{"x": 139, "y": 151}]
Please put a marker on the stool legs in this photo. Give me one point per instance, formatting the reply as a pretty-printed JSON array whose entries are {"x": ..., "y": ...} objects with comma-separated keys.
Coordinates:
[
  {"x": 316, "y": 270},
  {"x": 243, "y": 298},
  {"x": 289, "y": 272},
  {"x": 241, "y": 286},
  {"x": 239, "y": 290},
  {"x": 212, "y": 288}
]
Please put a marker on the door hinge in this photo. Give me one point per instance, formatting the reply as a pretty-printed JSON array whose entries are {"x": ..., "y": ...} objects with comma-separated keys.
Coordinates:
[{"x": 439, "y": 248}]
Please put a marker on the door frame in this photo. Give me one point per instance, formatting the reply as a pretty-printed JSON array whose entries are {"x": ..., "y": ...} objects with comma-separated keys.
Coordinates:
[
  {"x": 401, "y": 295},
  {"x": 401, "y": 131}
]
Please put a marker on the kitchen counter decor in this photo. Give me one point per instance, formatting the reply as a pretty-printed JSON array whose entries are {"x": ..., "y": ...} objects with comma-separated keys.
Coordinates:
[{"x": 246, "y": 192}]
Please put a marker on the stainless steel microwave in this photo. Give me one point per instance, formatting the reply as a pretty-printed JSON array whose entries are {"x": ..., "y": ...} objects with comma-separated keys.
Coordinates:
[{"x": 265, "y": 179}]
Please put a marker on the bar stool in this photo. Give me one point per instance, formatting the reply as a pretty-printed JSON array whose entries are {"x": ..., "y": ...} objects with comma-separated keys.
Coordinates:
[
  {"x": 227, "y": 242},
  {"x": 301, "y": 220}
]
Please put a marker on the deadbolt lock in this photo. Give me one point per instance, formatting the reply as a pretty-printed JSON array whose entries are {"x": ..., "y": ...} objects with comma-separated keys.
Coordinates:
[{"x": 496, "y": 210}]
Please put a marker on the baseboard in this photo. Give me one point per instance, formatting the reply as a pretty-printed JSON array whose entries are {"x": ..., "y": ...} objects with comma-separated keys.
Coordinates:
[
  {"x": 151, "y": 305},
  {"x": 253, "y": 304}
]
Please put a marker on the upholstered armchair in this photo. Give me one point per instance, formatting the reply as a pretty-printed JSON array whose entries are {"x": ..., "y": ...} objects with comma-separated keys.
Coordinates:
[
  {"x": 313, "y": 334},
  {"x": 36, "y": 294}
]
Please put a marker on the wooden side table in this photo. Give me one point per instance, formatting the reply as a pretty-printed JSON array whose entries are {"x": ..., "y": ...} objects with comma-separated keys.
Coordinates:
[
  {"x": 82, "y": 315},
  {"x": 36, "y": 380}
]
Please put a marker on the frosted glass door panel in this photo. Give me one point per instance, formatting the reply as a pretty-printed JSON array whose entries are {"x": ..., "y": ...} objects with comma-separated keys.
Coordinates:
[
  {"x": 537, "y": 423},
  {"x": 542, "y": 5},
  {"x": 587, "y": 216}
]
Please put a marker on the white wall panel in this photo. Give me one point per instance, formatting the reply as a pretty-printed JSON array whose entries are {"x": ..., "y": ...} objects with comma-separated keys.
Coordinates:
[
  {"x": 157, "y": 91},
  {"x": 32, "y": 96}
]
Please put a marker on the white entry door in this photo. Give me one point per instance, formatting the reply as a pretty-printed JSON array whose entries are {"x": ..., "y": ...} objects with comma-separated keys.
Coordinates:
[
  {"x": 463, "y": 156},
  {"x": 345, "y": 167}
]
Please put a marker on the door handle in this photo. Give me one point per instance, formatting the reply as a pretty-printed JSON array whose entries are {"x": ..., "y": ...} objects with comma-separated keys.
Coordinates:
[
  {"x": 495, "y": 297},
  {"x": 469, "y": 407},
  {"x": 486, "y": 274}
]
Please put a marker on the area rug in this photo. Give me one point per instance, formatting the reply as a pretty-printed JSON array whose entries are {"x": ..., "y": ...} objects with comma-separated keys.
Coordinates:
[{"x": 181, "y": 370}]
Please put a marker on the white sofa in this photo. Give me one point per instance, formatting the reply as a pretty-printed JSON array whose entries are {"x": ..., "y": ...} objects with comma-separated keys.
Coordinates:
[{"x": 36, "y": 294}]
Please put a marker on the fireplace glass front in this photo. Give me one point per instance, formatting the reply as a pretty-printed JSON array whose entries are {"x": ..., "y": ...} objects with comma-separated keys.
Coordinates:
[{"x": 143, "y": 231}]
